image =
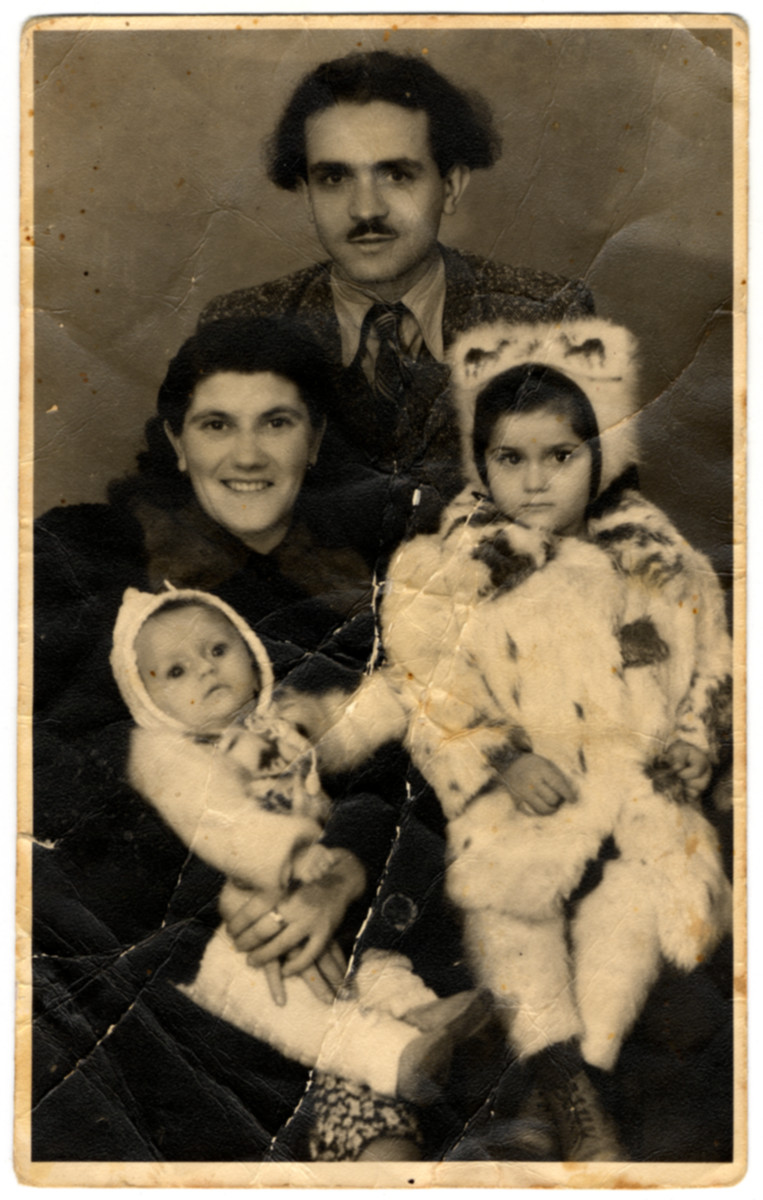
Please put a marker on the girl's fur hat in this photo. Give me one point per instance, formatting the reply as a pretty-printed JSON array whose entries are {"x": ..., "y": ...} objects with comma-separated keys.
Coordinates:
[
  {"x": 596, "y": 355},
  {"x": 136, "y": 609}
]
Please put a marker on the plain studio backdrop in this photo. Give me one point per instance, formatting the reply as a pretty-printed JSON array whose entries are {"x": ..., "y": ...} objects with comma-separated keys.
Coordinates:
[
  {"x": 690, "y": 187},
  {"x": 151, "y": 198}
]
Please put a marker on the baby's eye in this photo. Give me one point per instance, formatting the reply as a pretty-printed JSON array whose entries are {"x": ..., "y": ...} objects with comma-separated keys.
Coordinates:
[
  {"x": 219, "y": 649},
  {"x": 175, "y": 672}
]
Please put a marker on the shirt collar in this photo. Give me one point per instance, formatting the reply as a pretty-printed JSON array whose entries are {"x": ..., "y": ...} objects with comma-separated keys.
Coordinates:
[{"x": 425, "y": 300}]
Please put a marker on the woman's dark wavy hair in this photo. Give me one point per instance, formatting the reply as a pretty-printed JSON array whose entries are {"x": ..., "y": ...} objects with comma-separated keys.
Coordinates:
[
  {"x": 277, "y": 344},
  {"x": 461, "y": 129},
  {"x": 528, "y": 388}
]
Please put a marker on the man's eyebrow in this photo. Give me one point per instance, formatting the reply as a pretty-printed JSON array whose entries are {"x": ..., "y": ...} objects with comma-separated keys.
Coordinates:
[
  {"x": 406, "y": 164},
  {"x": 325, "y": 167}
]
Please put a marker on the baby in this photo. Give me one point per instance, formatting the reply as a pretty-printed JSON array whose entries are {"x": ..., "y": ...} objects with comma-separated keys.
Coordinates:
[
  {"x": 558, "y": 663},
  {"x": 239, "y": 785}
]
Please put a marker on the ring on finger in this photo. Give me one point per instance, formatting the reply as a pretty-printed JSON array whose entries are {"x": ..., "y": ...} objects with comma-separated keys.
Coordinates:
[{"x": 277, "y": 916}]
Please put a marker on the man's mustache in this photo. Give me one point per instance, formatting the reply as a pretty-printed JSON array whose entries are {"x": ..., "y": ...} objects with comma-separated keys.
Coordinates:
[{"x": 373, "y": 228}]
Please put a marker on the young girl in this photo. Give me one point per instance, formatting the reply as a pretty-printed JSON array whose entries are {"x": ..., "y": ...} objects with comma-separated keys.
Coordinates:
[
  {"x": 558, "y": 663},
  {"x": 239, "y": 785}
]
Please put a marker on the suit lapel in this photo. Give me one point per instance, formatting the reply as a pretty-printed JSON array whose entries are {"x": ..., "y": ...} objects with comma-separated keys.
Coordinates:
[
  {"x": 461, "y": 297},
  {"x": 316, "y": 306}
]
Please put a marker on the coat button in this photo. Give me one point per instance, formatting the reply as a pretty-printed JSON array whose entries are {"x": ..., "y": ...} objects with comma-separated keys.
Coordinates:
[{"x": 399, "y": 911}]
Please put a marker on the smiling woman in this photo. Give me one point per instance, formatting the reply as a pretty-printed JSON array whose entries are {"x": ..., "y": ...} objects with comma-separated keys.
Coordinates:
[
  {"x": 246, "y": 443},
  {"x": 243, "y": 407},
  {"x": 217, "y": 503}
]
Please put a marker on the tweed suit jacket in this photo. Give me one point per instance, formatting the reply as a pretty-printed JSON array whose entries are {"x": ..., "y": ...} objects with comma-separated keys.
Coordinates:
[{"x": 477, "y": 290}]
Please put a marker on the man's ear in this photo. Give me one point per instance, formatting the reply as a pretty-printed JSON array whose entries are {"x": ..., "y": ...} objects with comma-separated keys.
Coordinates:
[
  {"x": 456, "y": 182},
  {"x": 304, "y": 191},
  {"x": 177, "y": 446}
]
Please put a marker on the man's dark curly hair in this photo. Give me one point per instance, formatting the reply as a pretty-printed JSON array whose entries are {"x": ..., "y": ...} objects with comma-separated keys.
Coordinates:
[{"x": 461, "y": 130}]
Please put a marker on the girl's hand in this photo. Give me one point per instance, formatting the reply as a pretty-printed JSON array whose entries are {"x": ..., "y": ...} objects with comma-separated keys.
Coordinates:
[
  {"x": 537, "y": 786},
  {"x": 300, "y": 927},
  {"x": 690, "y": 764}
]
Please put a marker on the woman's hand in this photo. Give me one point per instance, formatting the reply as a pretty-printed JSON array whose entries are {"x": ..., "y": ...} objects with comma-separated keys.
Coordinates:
[
  {"x": 299, "y": 928},
  {"x": 236, "y": 895},
  {"x": 537, "y": 786},
  {"x": 324, "y": 977}
]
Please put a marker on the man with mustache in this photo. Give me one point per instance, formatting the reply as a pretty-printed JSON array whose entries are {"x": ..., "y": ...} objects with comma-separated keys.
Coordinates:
[{"x": 381, "y": 146}]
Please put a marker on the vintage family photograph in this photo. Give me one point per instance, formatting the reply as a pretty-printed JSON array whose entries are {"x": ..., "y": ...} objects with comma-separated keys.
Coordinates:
[{"x": 382, "y": 754}]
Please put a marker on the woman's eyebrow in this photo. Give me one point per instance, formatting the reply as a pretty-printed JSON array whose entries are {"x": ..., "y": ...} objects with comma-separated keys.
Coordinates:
[
  {"x": 206, "y": 413},
  {"x": 280, "y": 409}
]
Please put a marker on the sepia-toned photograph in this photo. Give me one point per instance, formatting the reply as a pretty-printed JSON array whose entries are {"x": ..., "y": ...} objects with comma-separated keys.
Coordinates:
[{"x": 382, "y": 758}]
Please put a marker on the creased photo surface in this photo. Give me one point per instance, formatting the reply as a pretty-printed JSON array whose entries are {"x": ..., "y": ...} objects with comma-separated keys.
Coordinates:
[{"x": 381, "y": 754}]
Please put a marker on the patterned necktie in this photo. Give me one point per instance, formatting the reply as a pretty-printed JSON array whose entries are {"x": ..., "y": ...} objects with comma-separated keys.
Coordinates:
[{"x": 392, "y": 373}]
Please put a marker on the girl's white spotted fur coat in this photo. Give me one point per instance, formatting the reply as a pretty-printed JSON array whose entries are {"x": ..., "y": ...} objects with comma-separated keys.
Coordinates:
[{"x": 596, "y": 654}]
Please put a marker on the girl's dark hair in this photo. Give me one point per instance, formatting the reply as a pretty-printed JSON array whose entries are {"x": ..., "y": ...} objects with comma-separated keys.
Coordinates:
[
  {"x": 246, "y": 345},
  {"x": 528, "y": 388},
  {"x": 461, "y": 129}
]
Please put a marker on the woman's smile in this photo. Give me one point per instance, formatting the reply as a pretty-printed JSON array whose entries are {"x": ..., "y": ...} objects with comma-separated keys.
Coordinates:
[
  {"x": 246, "y": 443},
  {"x": 247, "y": 485}
]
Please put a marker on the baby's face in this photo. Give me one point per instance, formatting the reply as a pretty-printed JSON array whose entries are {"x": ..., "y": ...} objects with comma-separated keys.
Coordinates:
[{"x": 196, "y": 667}]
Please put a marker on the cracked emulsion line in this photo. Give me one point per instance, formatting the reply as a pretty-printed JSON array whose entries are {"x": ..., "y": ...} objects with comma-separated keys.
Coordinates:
[
  {"x": 187, "y": 262},
  {"x": 187, "y": 1053},
  {"x": 178, "y": 929},
  {"x": 109, "y": 962},
  {"x": 377, "y": 590},
  {"x": 67, "y": 430},
  {"x": 98, "y": 1086},
  {"x": 260, "y": 224},
  {"x": 531, "y": 174},
  {"x": 534, "y": 169},
  {"x": 369, "y": 915},
  {"x": 189, "y": 1057},
  {"x": 29, "y": 837},
  {"x": 77, "y": 43},
  {"x": 613, "y": 232}
]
